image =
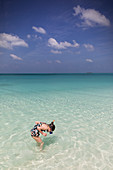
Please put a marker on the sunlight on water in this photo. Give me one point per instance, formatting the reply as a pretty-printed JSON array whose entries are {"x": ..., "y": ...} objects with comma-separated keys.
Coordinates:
[{"x": 82, "y": 106}]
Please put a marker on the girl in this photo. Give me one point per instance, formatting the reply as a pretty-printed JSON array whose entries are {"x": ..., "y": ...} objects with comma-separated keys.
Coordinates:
[{"x": 41, "y": 127}]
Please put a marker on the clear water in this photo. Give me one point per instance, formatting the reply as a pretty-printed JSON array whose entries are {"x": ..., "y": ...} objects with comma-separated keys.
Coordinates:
[{"x": 82, "y": 106}]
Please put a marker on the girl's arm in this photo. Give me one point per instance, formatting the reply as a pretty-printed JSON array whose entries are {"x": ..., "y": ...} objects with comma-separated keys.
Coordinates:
[
  {"x": 40, "y": 128},
  {"x": 37, "y": 122}
]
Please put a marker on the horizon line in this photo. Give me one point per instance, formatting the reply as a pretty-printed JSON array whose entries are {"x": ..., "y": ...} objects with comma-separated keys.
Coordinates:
[{"x": 50, "y": 73}]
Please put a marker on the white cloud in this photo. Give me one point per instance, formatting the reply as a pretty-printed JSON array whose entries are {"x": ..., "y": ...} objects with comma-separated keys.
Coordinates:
[
  {"x": 28, "y": 36},
  {"x": 90, "y": 17},
  {"x": 89, "y": 60},
  {"x": 89, "y": 47},
  {"x": 58, "y": 61},
  {"x": 9, "y": 41},
  {"x": 62, "y": 45},
  {"x": 36, "y": 36},
  {"x": 56, "y": 52},
  {"x": 39, "y": 29},
  {"x": 15, "y": 57}
]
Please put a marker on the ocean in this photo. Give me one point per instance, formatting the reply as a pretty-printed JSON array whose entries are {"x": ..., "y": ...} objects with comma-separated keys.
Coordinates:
[{"x": 80, "y": 104}]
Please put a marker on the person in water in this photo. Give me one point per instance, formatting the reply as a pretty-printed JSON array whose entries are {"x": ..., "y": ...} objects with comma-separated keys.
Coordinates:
[{"x": 41, "y": 127}]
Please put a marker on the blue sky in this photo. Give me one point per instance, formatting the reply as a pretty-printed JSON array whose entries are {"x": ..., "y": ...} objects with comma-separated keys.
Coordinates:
[{"x": 56, "y": 36}]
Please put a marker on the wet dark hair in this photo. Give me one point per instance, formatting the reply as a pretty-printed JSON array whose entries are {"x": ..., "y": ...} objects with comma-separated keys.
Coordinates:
[{"x": 52, "y": 126}]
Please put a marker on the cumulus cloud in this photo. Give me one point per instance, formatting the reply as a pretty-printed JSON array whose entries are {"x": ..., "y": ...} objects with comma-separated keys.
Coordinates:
[
  {"x": 28, "y": 36},
  {"x": 37, "y": 37},
  {"x": 15, "y": 57},
  {"x": 56, "y": 52},
  {"x": 90, "y": 17},
  {"x": 39, "y": 30},
  {"x": 9, "y": 41},
  {"x": 58, "y": 61},
  {"x": 89, "y": 60},
  {"x": 89, "y": 47},
  {"x": 62, "y": 45}
]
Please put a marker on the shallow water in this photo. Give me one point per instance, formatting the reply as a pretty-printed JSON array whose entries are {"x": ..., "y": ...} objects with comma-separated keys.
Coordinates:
[{"x": 82, "y": 106}]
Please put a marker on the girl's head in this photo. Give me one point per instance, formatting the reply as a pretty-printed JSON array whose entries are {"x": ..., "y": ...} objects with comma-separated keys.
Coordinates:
[{"x": 52, "y": 126}]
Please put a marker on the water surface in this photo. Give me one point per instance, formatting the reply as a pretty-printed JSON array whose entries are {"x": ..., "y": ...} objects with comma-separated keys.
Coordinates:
[{"x": 82, "y": 106}]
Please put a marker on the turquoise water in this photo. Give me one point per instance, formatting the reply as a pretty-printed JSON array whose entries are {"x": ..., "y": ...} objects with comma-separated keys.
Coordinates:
[{"x": 82, "y": 106}]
